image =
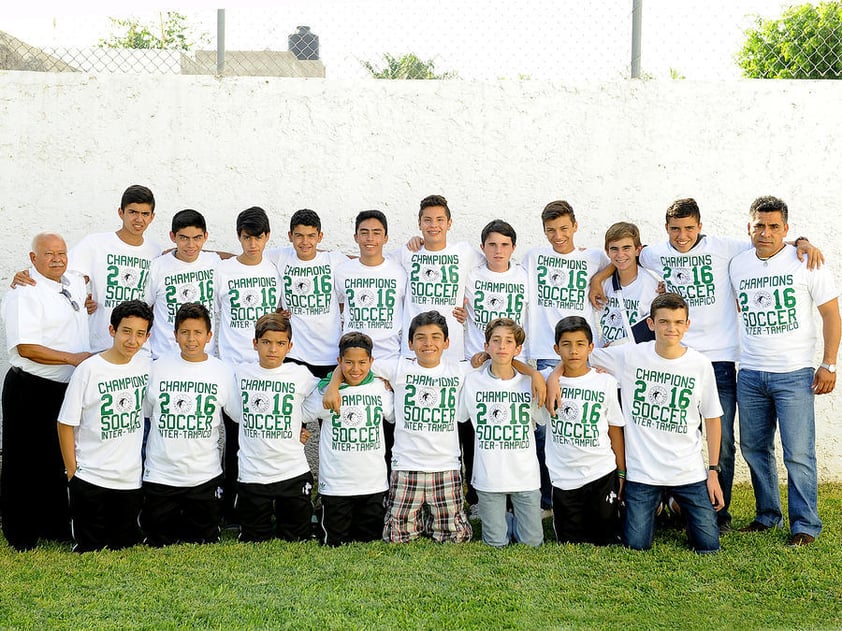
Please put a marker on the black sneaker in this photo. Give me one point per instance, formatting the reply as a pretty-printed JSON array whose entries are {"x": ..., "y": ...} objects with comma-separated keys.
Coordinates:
[{"x": 755, "y": 526}]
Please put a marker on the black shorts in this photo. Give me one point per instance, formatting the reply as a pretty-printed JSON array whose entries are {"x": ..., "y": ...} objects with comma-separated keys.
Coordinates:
[
  {"x": 177, "y": 514},
  {"x": 103, "y": 517},
  {"x": 589, "y": 514},
  {"x": 288, "y": 503},
  {"x": 352, "y": 518}
]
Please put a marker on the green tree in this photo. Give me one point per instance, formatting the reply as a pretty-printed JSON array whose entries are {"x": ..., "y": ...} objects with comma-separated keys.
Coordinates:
[
  {"x": 170, "y": 32},
  {"x": 407, "y": 66},
  {"x": 804, "y": 43}
]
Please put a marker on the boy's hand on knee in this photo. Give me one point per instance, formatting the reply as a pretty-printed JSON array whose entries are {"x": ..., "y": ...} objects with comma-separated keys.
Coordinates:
[{"x": 715, "y": 491}]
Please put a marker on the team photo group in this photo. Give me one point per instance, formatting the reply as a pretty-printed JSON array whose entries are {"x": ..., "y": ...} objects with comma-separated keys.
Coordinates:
[{"x": 157, "y": 396}]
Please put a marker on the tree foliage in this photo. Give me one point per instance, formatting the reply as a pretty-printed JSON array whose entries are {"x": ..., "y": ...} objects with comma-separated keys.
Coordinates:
[
  {"x": 804, "y": 43},
  {"x": 407, "y": 66},
  {"x": 170, "y": 32}
]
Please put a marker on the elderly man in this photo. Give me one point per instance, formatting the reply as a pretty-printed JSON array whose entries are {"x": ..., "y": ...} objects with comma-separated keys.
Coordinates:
[{"x": 46, "y": 337}]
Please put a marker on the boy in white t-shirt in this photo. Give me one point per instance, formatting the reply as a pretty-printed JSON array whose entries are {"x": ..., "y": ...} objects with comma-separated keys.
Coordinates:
[
  {"x": 182, "y": 477},
  {"x": 274, "y": 485},
  {"x": 187, "y": 274},
  {"x": 100, "y": 431},
  {"x": 585, "y": 448},
  {"x": 352, "y": 465},
  {"x": 497, "y": 400}
]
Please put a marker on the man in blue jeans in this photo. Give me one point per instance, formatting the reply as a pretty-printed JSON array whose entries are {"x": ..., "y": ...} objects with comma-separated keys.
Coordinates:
[{"x": 776, "y": 384}]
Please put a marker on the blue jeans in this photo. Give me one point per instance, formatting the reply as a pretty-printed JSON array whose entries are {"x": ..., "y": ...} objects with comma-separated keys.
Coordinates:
[
  {"x": 540, "y": 446},
  {"x": 726, "y": 384},
  {"x": 642, "y": 500},
  {"x": 785, "y": 399},
  {"x": 526, "y": 527}
]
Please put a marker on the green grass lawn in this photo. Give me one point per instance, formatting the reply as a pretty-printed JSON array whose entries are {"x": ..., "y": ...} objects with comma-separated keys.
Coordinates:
[{"x": 755, "y": 582}]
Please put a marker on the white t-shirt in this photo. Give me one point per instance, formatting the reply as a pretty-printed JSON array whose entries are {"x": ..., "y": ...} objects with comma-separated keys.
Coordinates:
[
  {"x": 172, "y": 283},
  {"x": 270, "y": 416},
  {"x": 352, "y": 449},
  {"x": 310, "y": 293},
  {"x": 777, "y": 298},
  {"x": 104, "y": 403},
  {"x": 426, "y": 400},
  {"x": 436, "y": 282},
  {"x": 493, "y": 295},
  {"x": 40, "y": 314},
  {"x": 701, "y": 277},
  {"x": 243, "y": 294},
  {"x": 664, "y": 404},
  {"x": 504, "y": 416},
  {"x": 578, "y": 448},
  {"x": 558, "y": 287},
  {"x": 117, "y": 271},
  {"x": 637, "y": 298},
  {"x": 373, "y": 297},
  {"x": 184, "y": 401}
]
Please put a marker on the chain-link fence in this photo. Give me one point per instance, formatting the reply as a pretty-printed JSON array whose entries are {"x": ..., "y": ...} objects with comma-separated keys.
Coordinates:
[{"x": 493, "y": 39}]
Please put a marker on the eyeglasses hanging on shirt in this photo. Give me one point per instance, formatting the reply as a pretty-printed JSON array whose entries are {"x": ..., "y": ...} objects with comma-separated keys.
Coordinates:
[{"x": 66, "y": 293}]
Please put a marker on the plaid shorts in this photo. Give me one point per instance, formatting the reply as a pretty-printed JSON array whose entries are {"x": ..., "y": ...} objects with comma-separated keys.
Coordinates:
[{"x": 426, "y": 504}]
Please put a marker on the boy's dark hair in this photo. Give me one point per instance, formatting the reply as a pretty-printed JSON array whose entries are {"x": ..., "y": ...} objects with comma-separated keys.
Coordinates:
[
  {"x": 573, "y": 324},
  {"x": 132, "y": 308},
  {"x": 305, "y": 217},
  {"x": 769, "y": 204},
  {"x": 253, "y": 222},
  {"x": 669, "y": 301},
  {"x": 371, "y": 214},
  {"x": 428, "y": 317},
  {"x": 556, "y": 209},
  {"x": 622, "y": 230},
  {"x": 355, "y": 339},
  {"x": 433, "y": 200},
  {"x": 500, "y": 227},
  {"x": 192, "y": 311},
  {"x": 272, "y": 322},
  {"x": 137, "y": 194},
  {"x": 506, "y": 323},
  {"x": 188, "y": 218},
  {"x": 684, "y": 208}
]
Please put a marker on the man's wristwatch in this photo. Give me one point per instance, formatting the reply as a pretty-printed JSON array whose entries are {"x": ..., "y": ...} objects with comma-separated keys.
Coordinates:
[
  {"x": 715, "y": 467},
  {"x": 831, "y": 368}
]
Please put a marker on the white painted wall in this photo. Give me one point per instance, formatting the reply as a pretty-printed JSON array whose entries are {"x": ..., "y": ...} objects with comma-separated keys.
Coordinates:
[{"x": 70, "y": 144}]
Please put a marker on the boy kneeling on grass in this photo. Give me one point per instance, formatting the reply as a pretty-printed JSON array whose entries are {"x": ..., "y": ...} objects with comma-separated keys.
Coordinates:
[
  {"x": 100, "y": 431},
  {"x": 498, "y": 401},
  {"x": 667, "y": 389},
  {"x": 352, "y": 448}
]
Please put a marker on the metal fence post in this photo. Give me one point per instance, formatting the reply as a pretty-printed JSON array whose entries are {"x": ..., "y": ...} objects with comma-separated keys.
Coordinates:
[
  {"x": 637, "y": 28},
  {"x": 220, "y": 41}
]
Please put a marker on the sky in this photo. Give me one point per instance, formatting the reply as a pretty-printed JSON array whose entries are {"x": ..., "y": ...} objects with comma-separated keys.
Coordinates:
[{"x": 478, "y": 39}]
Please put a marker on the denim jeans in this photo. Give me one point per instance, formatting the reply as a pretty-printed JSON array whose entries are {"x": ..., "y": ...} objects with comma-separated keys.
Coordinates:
[
  {"x": 527, "y": 527},
  {"x": 786, "y": 399},
  {"x": 540, "y": 446},
  {"x": 642, "y": 500},
  {"x": 726, "y": 384}
]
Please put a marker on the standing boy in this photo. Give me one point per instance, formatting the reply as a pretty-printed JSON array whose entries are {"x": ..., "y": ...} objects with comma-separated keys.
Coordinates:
[
  {"x": 100, "y": 430},
  {"x": 274, "y": 477},
  {"x": 352, "y": 467},
  {"x": 182, "y": 478},
  {"x": 497, "y": 400},
  {"x": 585, "y": 446}
]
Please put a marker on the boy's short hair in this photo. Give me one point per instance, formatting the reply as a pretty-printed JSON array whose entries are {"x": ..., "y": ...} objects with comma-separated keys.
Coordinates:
[
  {"x": 684, "y": 208},
  {"x": 137, "y": 194},
  {"x": 769, "y": 204},
  {"x": 622, "y": 230},
  {"x": 669, "y": 301},
  {"x": 506, "y": 323},
  {"x": 130, "y": 309},
  {"x": 305, "y": 217},
  {"x": 433, "y": 200},
  {"x": 501, "y": 227},
  {"x": 192, "y": 311},
  {"x": 428, "y": 317},
  {"x": 573, "y": 324},
  {"x": 253, "y": 222},
  {"x": 272, "y": 322},
  {"x": 355, "y": 339},
  {"x": 188, "y": 218},
  {"x": 371, "y": 214},
  {"x": 556, "y": 209}
]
